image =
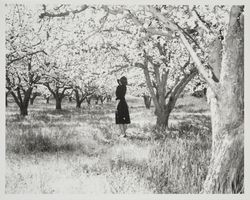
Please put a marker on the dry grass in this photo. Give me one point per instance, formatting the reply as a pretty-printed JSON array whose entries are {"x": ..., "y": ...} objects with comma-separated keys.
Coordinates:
[{"x": 79, "y": 151}]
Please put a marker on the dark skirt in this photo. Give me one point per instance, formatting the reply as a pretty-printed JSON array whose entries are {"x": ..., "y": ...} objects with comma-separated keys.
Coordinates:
[{"x": 122, "y": 113}]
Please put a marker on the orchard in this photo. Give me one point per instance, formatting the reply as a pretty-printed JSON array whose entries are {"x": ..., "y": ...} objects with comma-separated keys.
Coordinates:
[{"x": 167, "y": 52}]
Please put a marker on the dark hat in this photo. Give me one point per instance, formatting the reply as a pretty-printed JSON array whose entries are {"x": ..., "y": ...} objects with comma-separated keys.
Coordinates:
[{"x": 123, "y": 80}]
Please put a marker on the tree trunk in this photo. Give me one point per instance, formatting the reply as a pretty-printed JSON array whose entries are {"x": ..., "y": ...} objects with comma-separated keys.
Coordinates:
[
  {"x": 147, "y": 101},
  {"x": 88, "y": 99},
  {"x": 24, "y": 111},
  {"x": 97, "y": 99},
  {"x": 6, "y": 98},
  {"x": 22, "y": 100},
  {"x": 47, "y": 100},
  {"x": 32, "y": 101},
  {"x": 102, "y": 98},
  {"x": 226, "y": 169},
  {"x": 58, "y": 104},
  {"x": 78, "y": 104},
  {"x": 162, "y": 119},
  {"x": 109, "y": 98}
]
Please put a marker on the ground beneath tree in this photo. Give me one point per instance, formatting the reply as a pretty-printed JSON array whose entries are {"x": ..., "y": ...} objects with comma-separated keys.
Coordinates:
[{"x": 80, "y": 151}]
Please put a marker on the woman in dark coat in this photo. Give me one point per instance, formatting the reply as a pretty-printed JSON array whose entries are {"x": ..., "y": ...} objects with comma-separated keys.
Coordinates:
[{"x": 122, "y": 114}]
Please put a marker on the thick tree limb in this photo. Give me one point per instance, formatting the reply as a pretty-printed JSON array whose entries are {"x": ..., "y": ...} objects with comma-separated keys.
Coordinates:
[
  {"x": 62, "y": 14},
  {"x": 15, "y": 98},
  {"x": 212, "y": 84},
  {"x": 150, "y": 87},
  {"x": 183, "y": 82},
  {"x": 50, "y": 89}
]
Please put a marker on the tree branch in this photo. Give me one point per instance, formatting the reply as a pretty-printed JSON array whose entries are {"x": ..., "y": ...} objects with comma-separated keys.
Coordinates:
[
  {"x": 204, "y": 24},
  {"x": 22, "y": 57},
  {"x": 62, "y": 14},
  {"x": 173, "y": 27},
  {"x": 212, "y": 84},
  {"x": 50, "y": 89},
  {"x": 183, "y": 82},
  {"x": 150, "y": 87},
  {"x": 15, "y": 98}
]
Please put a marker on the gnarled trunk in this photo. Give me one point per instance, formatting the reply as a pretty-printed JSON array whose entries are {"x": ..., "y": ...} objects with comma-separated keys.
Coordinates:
[{"x": 226, "y": 170}]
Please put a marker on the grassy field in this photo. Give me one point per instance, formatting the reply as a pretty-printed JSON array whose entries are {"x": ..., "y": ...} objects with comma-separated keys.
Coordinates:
[{"x": 79, "y": 150}]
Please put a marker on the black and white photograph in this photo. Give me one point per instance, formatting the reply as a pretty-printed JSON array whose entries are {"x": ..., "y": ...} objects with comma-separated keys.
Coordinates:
[{"x": 108, "y": 98}]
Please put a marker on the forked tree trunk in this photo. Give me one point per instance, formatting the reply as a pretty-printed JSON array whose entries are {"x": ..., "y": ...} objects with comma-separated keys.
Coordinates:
[
  {"x": 226, "y": 169},
  {"x": 33, "y": 97},
  {"x": 79, "y": 102},
  {"x": 22, "y": 101},
  {"x": 25, "y": 103},
  {"x": 165, "y": 101},
  {"x": 102, "y": 98},
  {"x": 58, "y": 95}
]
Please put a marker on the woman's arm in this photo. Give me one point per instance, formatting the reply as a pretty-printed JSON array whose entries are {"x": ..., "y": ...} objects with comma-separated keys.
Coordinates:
[{"x": 116, "y": 103}]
